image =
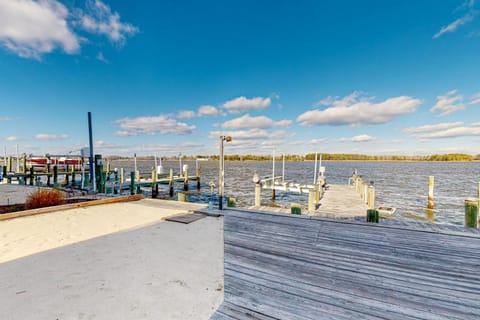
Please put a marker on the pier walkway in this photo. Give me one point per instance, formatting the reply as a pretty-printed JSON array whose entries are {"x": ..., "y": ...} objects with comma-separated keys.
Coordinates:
[
  {"x": 299, "y": 267},
  {"x": 341, "y": 201}
]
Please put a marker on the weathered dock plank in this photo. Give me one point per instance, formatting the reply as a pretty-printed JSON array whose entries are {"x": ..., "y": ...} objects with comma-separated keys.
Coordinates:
[
  {"x": 341, "y": 201},
  {"x": 291, "y": 267}
]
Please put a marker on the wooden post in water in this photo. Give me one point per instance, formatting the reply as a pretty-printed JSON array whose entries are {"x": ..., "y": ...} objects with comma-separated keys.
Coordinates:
[
  {"x": 258, "y": 190},
  {"x": 273, "y": 176},
  {"x": 55, "y": 176},
  {"x": 471, "y": 213},
  {"x": 431, "y": 182},
  {"x": 154, "y": 183},
  {"x": 73, "y": 174},
  {"x": 132, "y": 182},
  {"x": 182, "y": 196},
  {"x": 32, "y": 176},
  {"x": 373, "y": 216},
  {"x": 9, "y": 164},
  {"x": 185, "y": 180},
  {"x": 199, "y": 172},
  {"x": 170, "y": 183},
  {"x": 24, "y": 164},
  {"x": 371, "y": 197},
  {"x": 122, "y": 176}
]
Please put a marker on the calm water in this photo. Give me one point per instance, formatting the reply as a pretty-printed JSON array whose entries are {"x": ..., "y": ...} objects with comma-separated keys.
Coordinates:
[{"x": 403, "y": 185}]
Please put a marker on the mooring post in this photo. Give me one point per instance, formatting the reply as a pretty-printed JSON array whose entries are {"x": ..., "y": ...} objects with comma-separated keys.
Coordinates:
[
  {"x": 231, "y": 202},
  {"x": 182, "y": 197},
  {"x": 170, "y": 183},
  {"x": 199, "y": 172},
  {"x": 471, "y": 213},
  {"x": 185, "y": 179},
  {"x": 55, "y": 176},
  {"x": 24, "y": 164},
  {"x": 311, "y": 201},
  {"x": 132, "y": 182},
  {"x": 431, "y": 181},
  {"x": 258, "y": 189},
  {"x": 31, "y": 175},
  {"x": 317, "y": 192},
  {"x": 122, "y": 176},
  {"x": 73, "y": 174},
  {"x": 371, "y": 196},
  {"x": 9, "y": 164},
  {"x": 373, "y": 216},
  {"x": 154, "y": 183},
  {"x": 48, "y": 175}
]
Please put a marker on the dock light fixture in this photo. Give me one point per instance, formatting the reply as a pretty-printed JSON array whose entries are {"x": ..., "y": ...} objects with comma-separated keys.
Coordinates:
[{"x": 221, "y": 171}]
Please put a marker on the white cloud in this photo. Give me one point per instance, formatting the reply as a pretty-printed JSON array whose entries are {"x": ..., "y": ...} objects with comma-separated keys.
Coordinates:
[
  {"x": 359, "y": 138},
  {"x": 475, "y": 99},
  {"x": 448, "y": 103},
  {"x": 106, "y": 145},
  {"x": 433, "y": 127},
  {"x": 243, "y": 104},
  {"x": 208, "y": 110},
  {"x": 362, "y": 138},
  {"x": 467, "y": 17},
  {"x": 454, "y": 25},
  {"x": 6, "y": 118},
  {"x": 453, "y": 133},
  {"x": 186, "y": 114},
  {"x": 152, "y": 125},
  {"x": 252, "y": 134},
  {"x": 100, "y": 19},
  {"x": 101, "y": 57},
  {"x": 32, "y": 28},
  {"x": 46, "y": 136},
  {"x": 260, "y": 122},
  {"x": 356, "y": 110},
  {"x": 317, "y": 141},
  {"x": 12, "y": 138}
]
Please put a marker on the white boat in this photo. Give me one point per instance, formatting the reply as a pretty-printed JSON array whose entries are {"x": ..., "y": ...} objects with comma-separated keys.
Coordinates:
[{"x": 386, "y": 210}]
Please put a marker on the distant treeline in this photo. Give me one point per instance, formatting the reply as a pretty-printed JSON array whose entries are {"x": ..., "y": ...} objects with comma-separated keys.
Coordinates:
[{"x": 325, "y": 156}]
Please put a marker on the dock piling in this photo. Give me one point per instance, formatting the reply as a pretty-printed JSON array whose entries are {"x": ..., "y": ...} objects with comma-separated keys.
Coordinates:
[
  {"x": 258, "y": 189},
  {"x": 371, "y": 197},
  {"x": 170, "y": 183},
  {"x": 154, "y": 183},
  {"x": 185, "y": 179},
  {"x": 471, "y": 213},
  {"x": 431, "y": 181},
  {"x": 132, "y": 183}
]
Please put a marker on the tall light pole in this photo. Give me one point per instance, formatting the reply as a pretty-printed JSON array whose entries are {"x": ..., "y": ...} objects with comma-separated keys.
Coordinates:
[{"x": 221, "y": 171}]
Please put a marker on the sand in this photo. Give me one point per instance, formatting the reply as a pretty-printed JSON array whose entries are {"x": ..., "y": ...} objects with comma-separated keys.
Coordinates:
[{"x": 116, "y": 261}]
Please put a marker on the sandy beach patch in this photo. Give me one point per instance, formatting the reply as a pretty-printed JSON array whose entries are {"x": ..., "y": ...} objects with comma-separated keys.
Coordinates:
[{"x": 29, "y": 235}]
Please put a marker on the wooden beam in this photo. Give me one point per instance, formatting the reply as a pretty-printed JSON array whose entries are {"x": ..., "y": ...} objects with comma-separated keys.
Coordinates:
[{"x": 69, "y": 206}]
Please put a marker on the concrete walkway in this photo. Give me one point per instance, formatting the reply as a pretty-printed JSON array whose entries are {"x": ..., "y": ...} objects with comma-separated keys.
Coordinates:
[{"x": 147, "y": 269}]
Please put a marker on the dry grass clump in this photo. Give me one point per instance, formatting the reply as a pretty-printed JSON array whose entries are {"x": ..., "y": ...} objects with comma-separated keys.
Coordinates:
[{"x": 44, "y": 198}]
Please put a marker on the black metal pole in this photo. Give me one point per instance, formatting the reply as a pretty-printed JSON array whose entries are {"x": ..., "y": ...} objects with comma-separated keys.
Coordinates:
[{"x": 90, "y": 139}]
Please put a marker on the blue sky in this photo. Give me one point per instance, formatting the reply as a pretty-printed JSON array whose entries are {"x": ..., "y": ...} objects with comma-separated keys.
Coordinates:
[{"x": 370, "y": 77}]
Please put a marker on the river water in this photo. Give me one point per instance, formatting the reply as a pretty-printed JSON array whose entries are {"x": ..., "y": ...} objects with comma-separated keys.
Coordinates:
[{"x": 403, "y": 185}]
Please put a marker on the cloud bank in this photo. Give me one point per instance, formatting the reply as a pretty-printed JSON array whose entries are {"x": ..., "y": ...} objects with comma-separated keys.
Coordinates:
[{"x": 357, "y": 110}]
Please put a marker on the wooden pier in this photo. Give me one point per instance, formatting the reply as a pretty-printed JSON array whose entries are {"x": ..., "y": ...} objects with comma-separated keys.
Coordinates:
[{"x": 299, "y": 267}]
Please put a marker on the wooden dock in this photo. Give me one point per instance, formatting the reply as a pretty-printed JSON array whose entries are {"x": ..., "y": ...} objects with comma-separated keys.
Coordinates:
[
  {"x": 337, "y": 201},
  {"x": 341, "y": 201},
  {"x": 298, "y": 267}
]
